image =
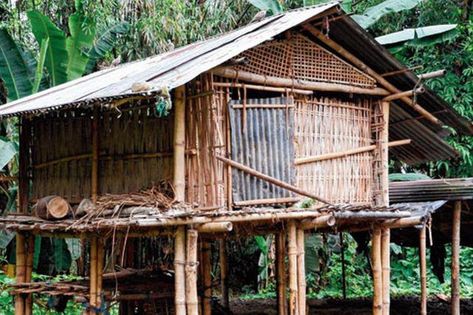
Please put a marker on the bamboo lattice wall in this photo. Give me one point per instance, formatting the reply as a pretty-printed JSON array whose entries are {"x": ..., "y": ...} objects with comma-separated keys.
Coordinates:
[
  {"x": 327, "y": 125},
  {"x": 135, "y": 148}
]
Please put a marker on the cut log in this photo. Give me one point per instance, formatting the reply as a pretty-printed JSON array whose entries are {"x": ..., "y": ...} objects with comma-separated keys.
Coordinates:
[{"x": 52, "y": 208}]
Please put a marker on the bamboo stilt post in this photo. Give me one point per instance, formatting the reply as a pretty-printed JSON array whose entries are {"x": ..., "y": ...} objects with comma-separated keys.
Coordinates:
[
  {"x": 386, "y": 268},
  {"x": 20, "y": 272},
  {"x": 377, "y": 272},
  {"x": 95, "y": 156},
  {"x": 24, "y": 163},
  {"x": 456, "y": 218},
  {"x": 292, "y": 268},
  {"x": 344, "y": 274},
  {"x": 93, "y": 275},
  {"x": 100, "y": 264},
  {"x": 362, "y": 66},
  {"x": 179, "y": 271},
  {"x": 224, "y": 274},
  {"x": 281, "y": 277},
  {"x": 192, "y": 299},
  {"x": 29, "y": 271},
  {"x": 423, "y": 272},
  {"x": 207, "y": 278},
  {"x": 301, "y": 282},
  {"x": 179, "y": 142}
]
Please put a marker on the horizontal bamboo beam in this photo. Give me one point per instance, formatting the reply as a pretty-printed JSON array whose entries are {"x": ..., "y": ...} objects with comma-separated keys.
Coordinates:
[
  {"x": 269, "y": 201},
  {"x": 336, "y": 155},
  {"x": 397, "y": 96},
  {"x": 362, "y": 66},
  {"x": 433, "y": 74},
  {"x": 404, "y": 222},
  {"x": 263, "y": 88},
  {"x": 396, "y": 72},
  {"x": 322, "y": 221},
  {"x": 270, "y": 179},
  {"x": 215, "y": 227},
  {"x": 231, "y": 73}
]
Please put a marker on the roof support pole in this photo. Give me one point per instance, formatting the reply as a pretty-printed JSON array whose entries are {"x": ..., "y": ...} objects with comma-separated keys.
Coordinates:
[
  {"x": 301, "y": 282},
  {"x": 29, "y": 271},
  {"x": 95, "y": 156},
  {"x": 179, "y": 270},
  {"x": 20, "y": 272},
  {"x": 192, "y": 299},
  {"x": 206, "y": 268},
  {"x": 179, "y": 142},
  {"x": 362, "y": 66},
  {"x": 423, "y": 272},
  {"x": 292, "y": 267},
  {"x": 377, "y": 272},
  {"x": 456, "y": 218},
  {"x": 281, "y": 275},
  {"x": 224, "y": 273}
]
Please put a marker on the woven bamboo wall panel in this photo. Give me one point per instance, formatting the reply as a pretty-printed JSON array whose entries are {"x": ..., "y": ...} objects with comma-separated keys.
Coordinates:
[
  {"x": 329, "y": 125},
  {"x": 299, "y": 58},
  {"x": 205, "y": 137},
  {"x": 262, "y": 138},
  {"x": 135, "y": 152}
]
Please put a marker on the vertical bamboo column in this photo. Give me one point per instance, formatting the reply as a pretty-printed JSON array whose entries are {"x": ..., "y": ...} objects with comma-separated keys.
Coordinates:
[
  {"x": 456, "y": 218},
  {"x": 281, "y": 273},
  {"x": 29, "y": 271},
  {"x": 100, "y": 264},
  {"x": 192, "y": 300},
  {"x": 423, "y": 272},
  {"x": 224, "y": 274},
  {"x": 292, "y": 268},
  {"x": 20, "y": 272},
  {"x": 207, "y": 278},
  {"x": 93, "y": 275},
  {"x": 179, "y": 142},
  {"x": 24, "y": 161},
  {"x": 95, "y": 156},
  {"x": 386, "y": 267},
  {"x": 179, "y": 271},
  {"x": 377, "y": 272},
  {"x": 301, "y": 285}
]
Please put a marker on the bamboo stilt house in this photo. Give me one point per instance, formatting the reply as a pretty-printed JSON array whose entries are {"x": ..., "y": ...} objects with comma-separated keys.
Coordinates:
[{"x": 222, "y": 138}]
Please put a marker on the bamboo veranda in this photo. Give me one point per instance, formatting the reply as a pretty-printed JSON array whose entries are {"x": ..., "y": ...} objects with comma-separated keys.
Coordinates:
[{"x": 232, "y": 137}]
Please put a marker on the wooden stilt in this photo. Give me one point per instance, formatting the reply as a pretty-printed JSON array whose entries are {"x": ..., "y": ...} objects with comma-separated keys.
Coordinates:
[
  {"x": 224, "y": 274},
  {"x": 179, "y": 142},
  {"x": 29, "y": 271},
  {"x": 301, "y": 282},
  {"x": 292, "y": 268},
  {"x": 207, "y": 278},
  {"x": 20, "y": 272},
  {"x": 344, "y": 274},
  {"x": 423, "y": 272},
  {"x": 456, "y": 218},
  {"x": 93, "y": 275},
  {"x": 179, "y": 271},
  {"x": 100, "y": 264},
  {"x": 386, "y": 268},
  {"x": 192, "y": 300},
  {"x": 281, "y": 273},
  {"x": 377, "y": 272}
]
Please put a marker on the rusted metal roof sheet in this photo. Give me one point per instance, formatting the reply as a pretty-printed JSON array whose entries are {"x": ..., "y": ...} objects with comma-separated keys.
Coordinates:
[
  {"x": 431, "y": 190},
  {"x": 263, "y": 139},
  {"x": 169, "y": 70}
]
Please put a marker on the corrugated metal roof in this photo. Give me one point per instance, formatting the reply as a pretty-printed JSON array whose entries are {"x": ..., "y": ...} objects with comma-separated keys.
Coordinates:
[{"x": 169, "y": 70}]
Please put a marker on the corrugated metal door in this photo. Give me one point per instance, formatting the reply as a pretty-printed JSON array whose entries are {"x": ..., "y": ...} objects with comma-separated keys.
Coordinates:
[{"x": 262, "y": 135}]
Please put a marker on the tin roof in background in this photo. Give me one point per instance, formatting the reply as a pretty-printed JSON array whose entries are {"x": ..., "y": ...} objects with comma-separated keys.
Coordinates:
[{"x": 181, "y": 65}]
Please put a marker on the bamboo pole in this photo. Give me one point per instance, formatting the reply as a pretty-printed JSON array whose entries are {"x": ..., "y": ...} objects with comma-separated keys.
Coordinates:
[
  {"x": 384, "y": 139},
  {"x": 179, "y": 271},
  {"x": 224, "y": 274},
  {"x": 362, "y": 66},
  {"x": 336, "y": 155},
  {"x": 179, "y": 176},
  {"x": 24, "y": 162},
  {"x": 270, "y": 179},
  {"x": 93, "y": 275},
  {"x": 215, "y": 227},
  {"x": 95, "y": 156},
  {"x": 262, "y": 88},
  {"x": 397, "y": 96},
  {"x": 301, "y": 282},
  {"x": 377, "y": 272},
  {"x": 292, "y": 268},
  {"x": 433, "y": 74},
  {"x": 281, "y": 273},
  {"x": 207, "y": 278},
  {"x": 100, "y": 264},
  {"x": 20, "y": 272},
  {"x": 386, "y": 268},
  {"x": 456, "y": 221},
  {"x": 230, "y": 73},
  {"x": 268, "y": 201},
  {"x": 322, "y": 221},
  {"x": 192, "y": 299},
  {"x": 423, "y": 272},
  {"x": 29, "y": 271}
]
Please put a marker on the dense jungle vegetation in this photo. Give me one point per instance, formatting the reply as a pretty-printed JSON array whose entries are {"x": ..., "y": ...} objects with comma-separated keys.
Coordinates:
[{"x": 47, "y": 42}]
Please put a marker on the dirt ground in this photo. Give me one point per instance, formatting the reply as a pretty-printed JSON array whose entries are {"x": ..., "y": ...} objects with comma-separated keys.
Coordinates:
[{"x": 399, "y": 306}]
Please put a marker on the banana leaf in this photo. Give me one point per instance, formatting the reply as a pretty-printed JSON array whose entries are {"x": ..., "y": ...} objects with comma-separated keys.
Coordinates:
[
  {"x": 421, "y": 36},
  {"x": 13, "y": 68},
  {"x": 78, "y": 44},
  {"x": 56, "y": 55},
  {"x": 62, "y": 257},
  {"x": 8, "y": 150},
  {"x": 374, "y": 13},
  {"x": 105, "y": 43},
  {"x": 40, "y": 65},
  {"x": 272, "y": 6}
]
